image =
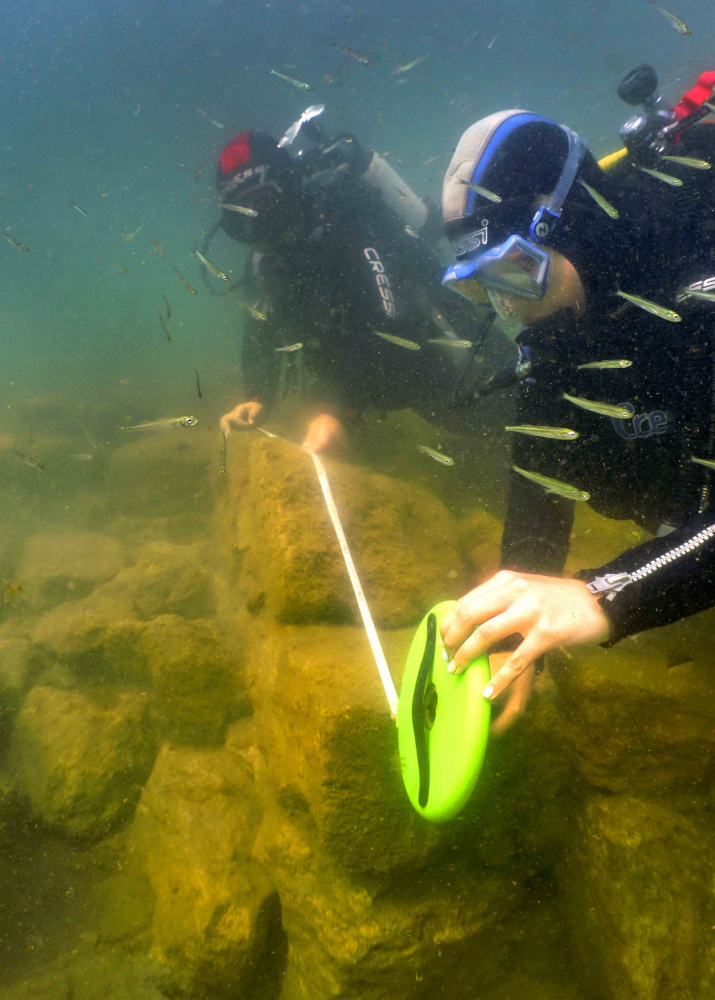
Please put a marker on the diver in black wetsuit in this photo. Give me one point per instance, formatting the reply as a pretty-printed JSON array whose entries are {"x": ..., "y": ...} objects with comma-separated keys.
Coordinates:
[
  {"x": 342, "y": 289},
  {"x": 555, "y": 254}
]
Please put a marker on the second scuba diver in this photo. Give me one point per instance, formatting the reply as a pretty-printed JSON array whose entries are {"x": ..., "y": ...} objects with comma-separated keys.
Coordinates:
[
  {"x": 612, "y": 277},
  {"x": 341, "y": 288}
]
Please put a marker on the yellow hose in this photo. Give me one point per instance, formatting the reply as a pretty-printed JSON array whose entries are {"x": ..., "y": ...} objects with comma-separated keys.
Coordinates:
[{"x": 606, "y": 162}]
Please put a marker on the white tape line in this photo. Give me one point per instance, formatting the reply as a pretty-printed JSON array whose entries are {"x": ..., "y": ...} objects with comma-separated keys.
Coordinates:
[{"x": 372, "y": 635}]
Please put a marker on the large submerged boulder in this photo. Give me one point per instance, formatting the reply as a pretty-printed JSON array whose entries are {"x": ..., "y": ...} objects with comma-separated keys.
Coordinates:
[
  {"x": 402, "y": 538},
  {"x": 79, "y": 763},
  {"x": 215, "y": 907}
]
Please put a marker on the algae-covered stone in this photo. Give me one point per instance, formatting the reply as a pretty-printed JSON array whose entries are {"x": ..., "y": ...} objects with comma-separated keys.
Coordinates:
[
  {"x": 352, "y": 941},
  {"x": 480, "y": 536},
  {"x": 79, "y": 763},
  {"x": 402, "y": 538},
  {"x": 162, "y": 472},
  {"x": 330, "y": 743},
  {"x": 637, "y": 891},
  {"x": 194, "y": 830},
  {"x": 98, "y": 634},
  {"x": 194, "y": 676},
  {"x": 16, "y": 664},
  {"x": 166, "y": 580},
  {"x": 61, "y": 565}
]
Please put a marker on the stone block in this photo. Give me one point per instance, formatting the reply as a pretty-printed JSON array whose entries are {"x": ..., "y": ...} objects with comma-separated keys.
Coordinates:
[
  {"x": 215, "y": 907},
  {"x": 402, "y": 538},
  {"x": 77, "y": 763}
]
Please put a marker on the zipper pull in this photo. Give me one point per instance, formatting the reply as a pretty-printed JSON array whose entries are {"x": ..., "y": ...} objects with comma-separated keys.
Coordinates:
[{"x": 610, "y": 584}]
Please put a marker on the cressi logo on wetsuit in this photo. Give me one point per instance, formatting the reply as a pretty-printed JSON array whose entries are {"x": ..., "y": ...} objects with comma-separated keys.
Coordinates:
[
  {"x": 382, "y": 281},
  {"x": 642, "y": 425}
]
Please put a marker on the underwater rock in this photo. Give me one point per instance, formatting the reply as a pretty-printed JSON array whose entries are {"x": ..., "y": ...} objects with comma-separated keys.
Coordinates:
[
  {"x": 163, "y": 473},
  {"x": 636, "y": 726},
  {"x": 215, "y": 908},
  {"x": 106, "y": 975},
  {"x": 79, "y": 763},
  {"x": 17, "y": 660},
  {"x": 437, "y": 931},
  {"x": 97, "y": 635},
  {"x": 62, "y": 565},
  {"x": 480, "y": 538},
  {"x": 166, "y": 580},
  {"x": 194, "y": 676},
  {"x": 596, "y": 540},
  {"x": 637, "y": 892},
  {"x": 331, "y": 745},
  {"x": 402, "y": 538}
]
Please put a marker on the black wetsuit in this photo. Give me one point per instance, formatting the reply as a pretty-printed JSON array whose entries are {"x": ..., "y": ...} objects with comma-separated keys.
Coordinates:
[
  {"x": 639, "y": 468},
  {"x": 357, "y": 274}
]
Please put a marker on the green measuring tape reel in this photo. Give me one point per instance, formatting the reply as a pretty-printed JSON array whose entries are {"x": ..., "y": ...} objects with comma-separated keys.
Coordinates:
[{"x": 442, "y": 724}]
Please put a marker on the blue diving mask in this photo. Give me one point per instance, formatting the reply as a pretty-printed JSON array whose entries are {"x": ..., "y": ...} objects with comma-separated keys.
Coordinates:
[{"x": 515, "y": 266}]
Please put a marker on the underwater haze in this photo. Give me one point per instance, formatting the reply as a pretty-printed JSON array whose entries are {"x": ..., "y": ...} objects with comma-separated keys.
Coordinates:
[{"x": 200, "y": 794}]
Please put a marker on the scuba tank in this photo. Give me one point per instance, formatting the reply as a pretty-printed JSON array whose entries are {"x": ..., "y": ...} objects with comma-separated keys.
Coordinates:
[{"x": 395, "y": 193}]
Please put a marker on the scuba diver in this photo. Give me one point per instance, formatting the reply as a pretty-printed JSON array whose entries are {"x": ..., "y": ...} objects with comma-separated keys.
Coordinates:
[
  {"x": 611, "y": 276},
  {"x": 342, "y": 289}
]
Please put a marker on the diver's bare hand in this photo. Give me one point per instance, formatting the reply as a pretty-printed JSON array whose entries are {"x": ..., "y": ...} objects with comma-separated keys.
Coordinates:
[
  {"x": 547, "y": 612},
  {"x": 323, "y": 431},
  {"x": 243, "y": 415}
]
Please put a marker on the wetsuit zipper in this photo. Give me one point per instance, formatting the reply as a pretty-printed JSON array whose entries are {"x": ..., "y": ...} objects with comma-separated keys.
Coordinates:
[{"x": 613, "y": 583}]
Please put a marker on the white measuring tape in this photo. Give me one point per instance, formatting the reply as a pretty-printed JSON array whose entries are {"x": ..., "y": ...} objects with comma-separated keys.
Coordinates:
[{"x": 372, "y": 635}]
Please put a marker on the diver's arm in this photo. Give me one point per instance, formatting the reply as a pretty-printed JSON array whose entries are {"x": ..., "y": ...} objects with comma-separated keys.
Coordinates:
[{"x": 659, "y": 582}]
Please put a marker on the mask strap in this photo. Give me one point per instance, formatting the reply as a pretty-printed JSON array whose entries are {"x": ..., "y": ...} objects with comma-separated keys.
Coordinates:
[{"x": 548, "y": 214}]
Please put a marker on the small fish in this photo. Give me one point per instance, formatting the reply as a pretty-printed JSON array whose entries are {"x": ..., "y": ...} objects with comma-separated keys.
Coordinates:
[
  {"x": 184, "y": 282},
  {"x": 241, "y": 209},
  {"x": 29, "y": 461},
  {"x": 399, "y": 341},
  {"x": 671, "y": 18},
  {"x": 168, "y": 422},
  {"x": 90, "y": 440},
  {"x": 217, "y": 272},
  {"x": 410, "y": 232},
  {"x": 222, "y": 463},
  {"x": 15, "y": 243},
  {"x": 197, "y": 174},
  {"x": 603, "y": 409},
  {"x": 334, "y": 145},
  {"x": 688, "y": 161},
  {"x": 78, "y": 209},
  {"x": 607, "y": 207},
  {"x": 290, "y": 347},
  {"x": 252, "y": 310},
  {"x": 484, "y": 192},
  {"x": 651, "y": 307},
  {"x": 408, "y": 66},
  {"x": 158, "y": 247},
  {"x": 82, "y": 458},
  {"x": 129, "y": 237},
  {"x": 554, "y": 433},
  {"x": 312, "y": 112},
  {"x": 294, "y": 81},
  {"x": 354, "y": 54},
  {"x": 447, "y": 342},
  {"x": 207, "y": 116},
  {"x": 604, "y": 365},
  {"x": 168, "y": 306},
  {"x": 198, "y": 384},
  {"x": 492, "y": 41},
  {"x": 699, "y": 294},
  {"x": 436, "y": 455},
  {"x": 666, "y": 178},
  {"x": 431, "y": 160},
  {"x": 709, "y": 463},
  {"x": 553, "y": 485},
  {"x": 165, "y": 328},
  {"x": 121, "y": 268}
]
